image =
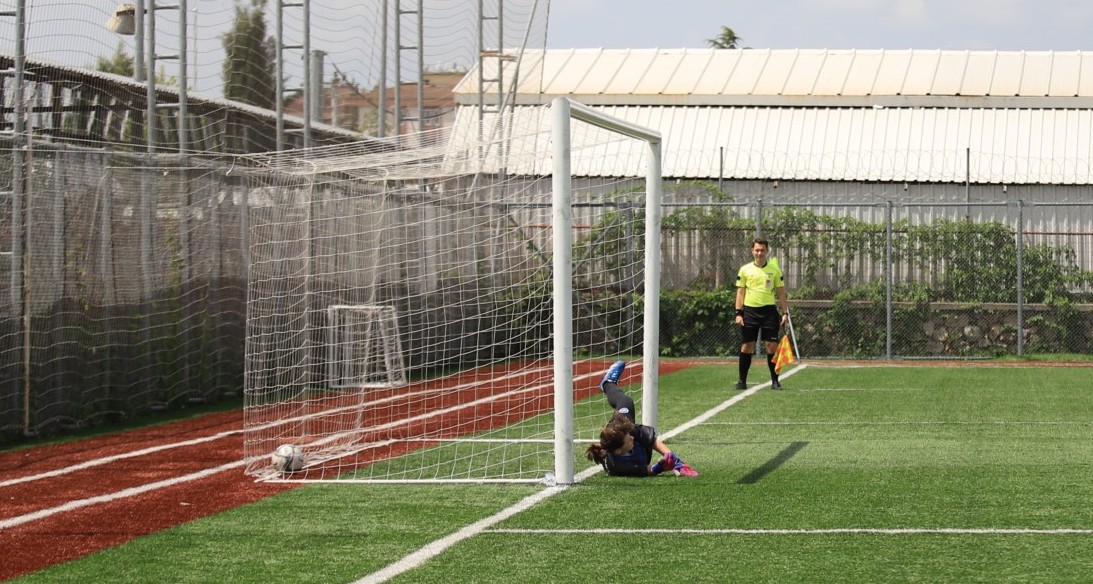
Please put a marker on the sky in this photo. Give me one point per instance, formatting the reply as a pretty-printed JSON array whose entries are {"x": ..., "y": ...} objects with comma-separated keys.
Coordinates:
[
  {"x": 1008, "y": 25},
  {"x": 74, "y": 31}
]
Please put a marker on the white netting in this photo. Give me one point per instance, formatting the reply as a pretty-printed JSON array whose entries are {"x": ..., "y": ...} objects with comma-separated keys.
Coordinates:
[{"x": 456, "y": 244}]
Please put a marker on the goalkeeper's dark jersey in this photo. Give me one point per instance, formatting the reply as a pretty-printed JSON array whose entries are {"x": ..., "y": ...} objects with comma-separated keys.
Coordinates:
[{"x": 636, "y": 463}]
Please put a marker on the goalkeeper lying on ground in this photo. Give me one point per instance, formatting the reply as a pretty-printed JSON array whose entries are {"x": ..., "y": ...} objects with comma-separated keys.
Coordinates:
[{"x": 625, "y": 447}]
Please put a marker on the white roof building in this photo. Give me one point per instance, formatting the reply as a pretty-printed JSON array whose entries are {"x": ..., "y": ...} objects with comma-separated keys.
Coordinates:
[{"x": 981, "y": 117}]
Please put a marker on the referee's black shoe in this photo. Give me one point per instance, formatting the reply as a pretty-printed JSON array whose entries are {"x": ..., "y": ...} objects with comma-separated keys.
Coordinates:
[
  {"x": 775, "y": 384},
  {"x": 741, "y": 385}
]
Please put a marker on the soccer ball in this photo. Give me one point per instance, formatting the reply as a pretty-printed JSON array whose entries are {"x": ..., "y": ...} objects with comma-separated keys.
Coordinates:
[{"x": 287, "y": 458}]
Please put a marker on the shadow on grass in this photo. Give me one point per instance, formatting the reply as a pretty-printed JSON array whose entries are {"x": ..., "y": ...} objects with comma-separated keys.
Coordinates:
[{"x": 772, "y": 464}]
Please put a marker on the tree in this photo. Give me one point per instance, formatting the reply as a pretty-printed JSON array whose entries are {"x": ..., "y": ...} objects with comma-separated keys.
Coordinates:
[
  {"x": 121, "y": 63},
  {"x": 726, "y": 40},
  {"x": 250, "y": 57}
]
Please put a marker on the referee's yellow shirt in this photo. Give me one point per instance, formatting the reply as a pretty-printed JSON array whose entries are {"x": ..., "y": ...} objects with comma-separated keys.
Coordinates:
[{"x": 759, "y": 283}]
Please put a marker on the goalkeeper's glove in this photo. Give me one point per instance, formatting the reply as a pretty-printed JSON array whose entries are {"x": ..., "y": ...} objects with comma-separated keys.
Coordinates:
[{"x": 665, "y": 464}]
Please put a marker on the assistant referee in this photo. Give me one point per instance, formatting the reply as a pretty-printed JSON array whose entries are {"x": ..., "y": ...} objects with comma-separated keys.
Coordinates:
[{"x": 758, "y": 286}]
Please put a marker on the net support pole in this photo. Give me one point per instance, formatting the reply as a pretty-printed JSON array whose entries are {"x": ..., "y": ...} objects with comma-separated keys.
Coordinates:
[{"x": 562, "y": 227}]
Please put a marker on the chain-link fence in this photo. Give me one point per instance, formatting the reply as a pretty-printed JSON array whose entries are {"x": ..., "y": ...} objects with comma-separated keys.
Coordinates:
[
  {"x": 124, "y": 290},
  {"x": 889, "y": 280}
]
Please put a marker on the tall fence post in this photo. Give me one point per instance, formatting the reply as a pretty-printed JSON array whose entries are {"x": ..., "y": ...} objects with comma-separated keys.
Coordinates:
[
  {"x": 1020, "y": 237},
  {"x": 759, "y": 217},
  {"x": 889, "y": 277}
]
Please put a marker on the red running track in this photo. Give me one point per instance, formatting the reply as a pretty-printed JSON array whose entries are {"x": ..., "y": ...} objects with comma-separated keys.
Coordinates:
[{"x": 58, "y": 518}]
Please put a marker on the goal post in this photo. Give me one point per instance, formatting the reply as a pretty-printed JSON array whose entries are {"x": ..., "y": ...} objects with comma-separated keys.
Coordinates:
[{"x": 564, "y": 111}]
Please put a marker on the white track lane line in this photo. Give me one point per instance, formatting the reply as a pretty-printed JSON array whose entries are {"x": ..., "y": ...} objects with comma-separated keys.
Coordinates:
[
  {"x": 130, "y": 492},
  {"x": 435, "y": 548},
  {"x": 108, "y": 459}
]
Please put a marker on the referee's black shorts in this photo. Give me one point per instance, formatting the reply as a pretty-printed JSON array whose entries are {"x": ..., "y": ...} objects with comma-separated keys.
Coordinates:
[{"x": 758, "y": 320}]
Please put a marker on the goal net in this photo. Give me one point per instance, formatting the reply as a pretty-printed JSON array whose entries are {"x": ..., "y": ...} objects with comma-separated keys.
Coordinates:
[
  {"x": 363, "y": 348},
  {"x": 446, "y": 312}
]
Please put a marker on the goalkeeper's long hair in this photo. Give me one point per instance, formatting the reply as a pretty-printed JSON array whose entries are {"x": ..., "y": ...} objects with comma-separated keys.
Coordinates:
[{"x": 611, "y": 438}]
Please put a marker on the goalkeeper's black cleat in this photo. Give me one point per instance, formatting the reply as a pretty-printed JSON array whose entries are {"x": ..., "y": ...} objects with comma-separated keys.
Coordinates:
[
  {"x": 741, "y": 385},
  {"x": 614, "y": 374}
]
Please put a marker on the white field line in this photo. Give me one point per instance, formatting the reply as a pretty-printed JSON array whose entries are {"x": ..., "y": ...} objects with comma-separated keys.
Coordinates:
[
  {"x": 919, "y": 423},
  {"x": 845, "y": 531},
  {"x": 130, "y": 492},
  {"x": 864, "y": 389},
  {"x": 435, "y": 548}
]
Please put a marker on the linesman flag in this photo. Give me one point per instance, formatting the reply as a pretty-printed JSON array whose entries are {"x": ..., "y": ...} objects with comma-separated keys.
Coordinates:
[{"x": 783, "y": 355}]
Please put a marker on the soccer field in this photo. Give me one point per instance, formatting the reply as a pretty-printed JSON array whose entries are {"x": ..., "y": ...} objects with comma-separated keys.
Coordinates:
[{"x": 851, "y": 474}]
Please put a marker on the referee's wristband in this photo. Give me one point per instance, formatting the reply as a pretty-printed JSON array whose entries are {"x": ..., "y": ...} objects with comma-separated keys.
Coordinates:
[{"x": 739, "y": 312}]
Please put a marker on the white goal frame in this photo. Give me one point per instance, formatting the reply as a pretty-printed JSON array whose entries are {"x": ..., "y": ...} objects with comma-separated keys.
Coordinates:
[{"x": 563, "y": 112}]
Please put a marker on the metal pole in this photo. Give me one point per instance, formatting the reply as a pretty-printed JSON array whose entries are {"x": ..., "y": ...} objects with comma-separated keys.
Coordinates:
[
  {"x": 147, "y": 195},
  {"x": 381, "y": 109},
  {"x": 138, "y": 41},
  {"x": 420, "y": 67},
  {"x": 481, "y": 70},
  {"x": 183, "y": 96},
  {"x": 18, "y": 170},
  {"x": 721, "y": 169},
  {"x": 309, "y": 96},
  {"x": 279, "y": 72},
  {"x": 150, "y": 81},
  {"x": 968, "y": 183},
  {"x": 398, "y": 68},
  {"x": 20, "y": 247},
  {"x": 889, "y": 279},
  {"x": 759, "y": 217},
  {"x": 195, "y": 48},
  {"x": 1020, "y": 277},
  {"x": 315, "y": 81}
]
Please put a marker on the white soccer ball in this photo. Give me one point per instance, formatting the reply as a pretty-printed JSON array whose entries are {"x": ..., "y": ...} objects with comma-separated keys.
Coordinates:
[{"x": 287, "y": 458}]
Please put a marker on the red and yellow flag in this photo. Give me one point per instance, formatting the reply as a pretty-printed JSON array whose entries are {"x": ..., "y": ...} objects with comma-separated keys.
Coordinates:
[{"x": 784, "y": 355}]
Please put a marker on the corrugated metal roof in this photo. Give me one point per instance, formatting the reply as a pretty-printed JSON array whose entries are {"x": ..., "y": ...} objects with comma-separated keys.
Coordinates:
[
  {"x": 700, "y": 76},
  {"x": 1002, "y": 146},
  {"x": 846, "y": 115}
]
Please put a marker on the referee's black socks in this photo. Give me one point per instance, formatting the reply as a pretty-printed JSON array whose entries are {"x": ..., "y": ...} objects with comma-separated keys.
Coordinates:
[
  {"x": 770, "y": 365},
  {"x": 745, "y": 364}
]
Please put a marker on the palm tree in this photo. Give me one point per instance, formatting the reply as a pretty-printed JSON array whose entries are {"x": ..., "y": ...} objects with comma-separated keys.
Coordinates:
[{"x": 726, "y": 40}]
